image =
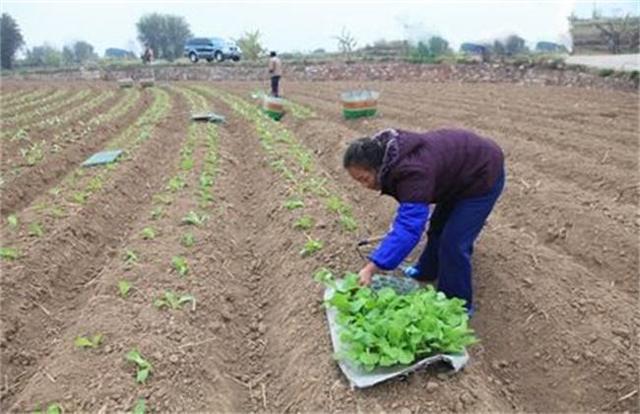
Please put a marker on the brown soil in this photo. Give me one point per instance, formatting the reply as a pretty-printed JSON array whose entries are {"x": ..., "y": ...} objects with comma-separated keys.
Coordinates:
[{"x": 555, "y": 269}]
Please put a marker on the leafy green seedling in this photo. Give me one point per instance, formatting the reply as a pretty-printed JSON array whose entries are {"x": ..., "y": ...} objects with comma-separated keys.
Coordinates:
[
  {"x": 35, "y": 229},
  {"x": 293, "y": 204},
  {"x": 304, "y": 223},
  {"x": 348, "y": 223},
  {"x": 311, "y": 247},
  {"x": 180, "y": 264},
  {"x": 94, "y": 184},
  {"x": 338, "y": 206},
  {"x": 186, "y": 164},
  {"x": 88, "y": 342},
  {"x": 144, "y": 366},
  {"x": 176, "y": 183},
  {"x": 156, "y": 213},
  {"x": 172, "y": 301},
  {"x": 79, "y": 197},
  {"x": 148, "y": 233},
  {"x": 140, "y": 407},
  {"x": 194, "y": 218},
  {"x": 123, "y": 288},
  {"x": 206, "y": 180},
  {"x": 12, "y": 220},
  {"x": 53, "y": 408},
  {"x": 187, "y": 240},
  {"x": 130, "y": 257},
  {"x": 9, "y": 253}
]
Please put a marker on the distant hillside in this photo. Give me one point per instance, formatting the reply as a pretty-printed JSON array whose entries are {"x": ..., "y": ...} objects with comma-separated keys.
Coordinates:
[{"x": 606, "y": 35}]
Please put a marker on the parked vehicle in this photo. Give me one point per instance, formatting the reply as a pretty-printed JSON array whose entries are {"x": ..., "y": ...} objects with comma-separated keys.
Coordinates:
[{"x": 211, "y": 48}]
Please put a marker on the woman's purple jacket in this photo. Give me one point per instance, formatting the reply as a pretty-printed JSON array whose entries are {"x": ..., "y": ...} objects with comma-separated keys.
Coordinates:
[{"x": 418, "y": 169}]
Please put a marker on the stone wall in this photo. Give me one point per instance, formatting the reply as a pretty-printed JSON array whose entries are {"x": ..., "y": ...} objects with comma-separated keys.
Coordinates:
[{"x": 356, "y": 72}]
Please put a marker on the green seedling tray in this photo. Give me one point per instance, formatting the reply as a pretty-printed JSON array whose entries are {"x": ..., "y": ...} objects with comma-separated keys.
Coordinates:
[{"x": 358, "y": 378}]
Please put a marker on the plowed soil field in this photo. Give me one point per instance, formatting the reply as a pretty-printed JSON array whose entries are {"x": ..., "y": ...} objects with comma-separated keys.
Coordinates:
[{"x": 198, "y": 212}]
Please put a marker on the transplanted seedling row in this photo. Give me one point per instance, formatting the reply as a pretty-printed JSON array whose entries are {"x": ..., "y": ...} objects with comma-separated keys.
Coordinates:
[
  {"x": 296, "y": 165},
  {"x": 168, "y": 218},
  {"x": 50, "y": 122},
  {"x": 82, "y": 183},
  {"x": 10, "y": 113},
  {"x": 34, "y": 116}
]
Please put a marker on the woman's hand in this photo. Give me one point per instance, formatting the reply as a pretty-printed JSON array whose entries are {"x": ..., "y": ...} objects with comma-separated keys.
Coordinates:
[{"x": 367, "y": 272}]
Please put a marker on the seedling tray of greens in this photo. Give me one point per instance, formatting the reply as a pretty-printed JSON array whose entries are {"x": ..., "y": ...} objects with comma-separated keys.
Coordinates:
[{"x": 392, "y": 328}]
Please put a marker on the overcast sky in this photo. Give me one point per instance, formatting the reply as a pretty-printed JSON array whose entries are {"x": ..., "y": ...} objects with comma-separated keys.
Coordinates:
[{"x": 305, "y": 25}]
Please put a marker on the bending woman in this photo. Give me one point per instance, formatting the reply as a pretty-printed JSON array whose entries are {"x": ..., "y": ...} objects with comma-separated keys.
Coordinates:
[{"x": 460, "y": 172}]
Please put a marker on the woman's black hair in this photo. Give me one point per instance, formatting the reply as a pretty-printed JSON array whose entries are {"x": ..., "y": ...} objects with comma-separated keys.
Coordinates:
[{"x": 364, "y": 152}]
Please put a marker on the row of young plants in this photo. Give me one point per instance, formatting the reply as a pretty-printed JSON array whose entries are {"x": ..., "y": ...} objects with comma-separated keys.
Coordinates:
[
  {"x": 42, "y": 109},
  {"x": 37, "y": 151},
  {"x": 81, "y": 184},
  {"x": 190, "y": 180},
  {"x": 23, "y": 96},
  {"x": 10, "y": 111},
  {"x": 21, "y": 133},
  {"x": 296, "y": 164}
]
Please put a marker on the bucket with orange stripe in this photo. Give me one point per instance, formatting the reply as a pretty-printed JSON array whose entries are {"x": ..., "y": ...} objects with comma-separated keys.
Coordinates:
[
  {"x": 356, "y": 104},
  {"x": 273, "y": 107}
]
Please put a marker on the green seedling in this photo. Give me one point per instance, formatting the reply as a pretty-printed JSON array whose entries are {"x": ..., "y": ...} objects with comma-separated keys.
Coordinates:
[
  {"x": 304, "y": 223},
  {"x": 35, "y": 229},
  {"x": 348, "y": 223},
  {"x": 176, "y": 183},
  {"x": 186, "y": 164},
  {"x": 144, "y": 367},
  {"x": 123, "y": 288},
  {"x": 315, "y": 186},
  {"x": 79, "y": 197},
  {"x": 156, "y": 213},
  {"x": 33, "y": 154},
  {"x": 94, "y": 184},
  {"x": 53, "y": 408},
  {"x": 88, "y": 342},
  {"x": 187, "y": 240},
  {"x": 148, "y": 233},
  {"x": 140, "y": 407},
  {"x": 130, "y": 257},
  {"x": 172, "y": 301},
  {"x": 206, "y": 180},
  {"x": 55, "y": 191},
  {"x": 180, "y": 264},
  {"x": 193, "y": 218},
  {"x": 336, "y": 205},
  {"x": 311, "y": 247},
  {"x": 293, "y": 204},
  {"x": 12, "y": 221},
  {"x": 9, "y": 253}
]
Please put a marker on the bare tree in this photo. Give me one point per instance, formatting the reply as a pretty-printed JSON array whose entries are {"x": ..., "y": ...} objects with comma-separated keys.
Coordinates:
[
  {"x": 346, "y": 43},
  {"x": 615, "y": 31}
]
